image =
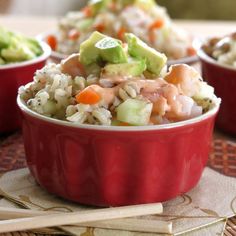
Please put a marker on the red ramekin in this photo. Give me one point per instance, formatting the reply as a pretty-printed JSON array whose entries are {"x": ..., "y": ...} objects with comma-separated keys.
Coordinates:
[
  {"x": 223, "y": 79},
  {"x": 113, "y": 166},
  {"x": 11, "y": 77}
]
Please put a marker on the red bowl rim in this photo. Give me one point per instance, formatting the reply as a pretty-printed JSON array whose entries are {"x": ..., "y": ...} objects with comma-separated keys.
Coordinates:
[
  {"x": 46, "y": 54},
  {"x": 212, "y": 112},
  {"x": 206, "y": 58}
]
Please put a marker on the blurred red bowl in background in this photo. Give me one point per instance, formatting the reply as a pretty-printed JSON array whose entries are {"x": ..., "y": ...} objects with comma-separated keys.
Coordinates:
[
  {"x": 12, "y": 76},
  {"x": 113, "y": 166},
  {"x": 223, "y": 79}
]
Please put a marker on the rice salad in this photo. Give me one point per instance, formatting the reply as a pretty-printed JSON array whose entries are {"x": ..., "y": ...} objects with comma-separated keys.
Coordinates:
[
  {"x": 114, "y": 83},
  {"x": 147, "y": 20},
  {"x": 222, "y": 50}
]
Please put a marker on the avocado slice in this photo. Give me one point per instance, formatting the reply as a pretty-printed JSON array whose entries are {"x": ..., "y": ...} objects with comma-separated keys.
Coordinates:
[
  {"x": 2, "y": 62},
  {"x": 88, "y": 52},
  {"x": 99, "y": 47},
  {"x": 134, "y": 67},
  {"x": 111, "y": 50},
  {"x": 137, "y": 48}
]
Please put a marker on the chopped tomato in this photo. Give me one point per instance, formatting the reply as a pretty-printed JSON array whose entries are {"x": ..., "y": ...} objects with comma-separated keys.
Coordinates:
[
  {"x": 100, "y": 27},
  {"x": 156, "y": 24},
  {"x": 191, "y": 51},
  {"x": 87, "y": 11},
  {"x": 121, "y": 33},
  {"x": 124, "y": 124},
  {"x": 88, "y": 96},
  {"x": 152, "y": 37},
  {"x": 52, "y": 42},
  {"x": 73, "y": 34}
]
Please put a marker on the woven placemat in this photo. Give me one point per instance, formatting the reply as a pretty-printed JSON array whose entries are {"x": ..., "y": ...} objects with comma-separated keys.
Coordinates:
[{"x": 222, "y": 159}]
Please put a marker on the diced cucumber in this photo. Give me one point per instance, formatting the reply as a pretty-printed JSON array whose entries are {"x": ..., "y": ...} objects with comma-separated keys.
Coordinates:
[
  {"x": 134, "y": 112},
  {"x": 85, "y": 24},
  {"x": 205, "y": 91},
  {"x": 50, "y": 108}
]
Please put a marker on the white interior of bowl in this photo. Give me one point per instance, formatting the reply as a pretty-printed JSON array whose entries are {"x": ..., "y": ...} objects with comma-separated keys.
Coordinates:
[
  {"x": 203, "y": 56},
  {"x": 35, "y": 115},
  {"x": 46, "y": 54}
]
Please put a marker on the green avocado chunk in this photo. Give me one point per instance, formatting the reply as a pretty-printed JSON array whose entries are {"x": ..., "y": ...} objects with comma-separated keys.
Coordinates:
[
  {"x": 2, "y": 62},
  {"x": 99, "y": 47},
  {"x": 134, "y": 67},
  {"x": 134, "y": 112},
  {"x": 111, "y": 50},
  {"x": 137, "y": 48},
  {"x": 88, "y": 52}
]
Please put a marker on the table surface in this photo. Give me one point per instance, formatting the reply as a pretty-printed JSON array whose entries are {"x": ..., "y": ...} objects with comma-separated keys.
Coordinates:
[{"x": 33, "y": 26}]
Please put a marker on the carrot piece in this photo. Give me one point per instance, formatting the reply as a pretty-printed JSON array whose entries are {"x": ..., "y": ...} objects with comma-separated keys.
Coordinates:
[
  {"x": 100, "y": 27},
  {"x": 152, "y": 37},
  {"x": 87, "y": 11},
  {"x": 73, "y": 34},
  {"x": 113, "y": 6},
  {"x": 52, "y": 42},
  {"x": 88, "y": 96},
  {"x": 156, "y": 25},
  {"x": 191, "y": 51},
  {"x": 124, "y": 124},
  {"x": 121, "y": 33}
]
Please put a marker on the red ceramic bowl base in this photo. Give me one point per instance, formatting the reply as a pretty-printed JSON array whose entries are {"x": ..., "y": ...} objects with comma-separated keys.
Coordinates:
[
  {"x": 111, "y": 168},
  {"x": 11, "y": 79}
]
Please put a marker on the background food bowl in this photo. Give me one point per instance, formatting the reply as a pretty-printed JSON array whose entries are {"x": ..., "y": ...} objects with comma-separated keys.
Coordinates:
[
  {"x": 13, "y": 76},
  {"x": 223, "y": 79},
  {"x": 112, "y": 166},
  {"x": 56, "y": 57}
]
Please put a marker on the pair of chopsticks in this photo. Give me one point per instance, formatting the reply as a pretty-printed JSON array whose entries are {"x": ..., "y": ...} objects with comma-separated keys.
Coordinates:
[{"x": 109, "y": 218}]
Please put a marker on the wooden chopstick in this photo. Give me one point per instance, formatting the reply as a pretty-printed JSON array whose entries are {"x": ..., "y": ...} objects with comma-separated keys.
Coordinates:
[
  {"x": 58, "y": 219},
  {"x": 129, "y": 224}
]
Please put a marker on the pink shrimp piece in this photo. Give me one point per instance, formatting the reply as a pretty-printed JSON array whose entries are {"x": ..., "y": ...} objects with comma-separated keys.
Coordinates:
[
  {"x": 72, "y": 66},
  {"x": 185, "y": 78}
]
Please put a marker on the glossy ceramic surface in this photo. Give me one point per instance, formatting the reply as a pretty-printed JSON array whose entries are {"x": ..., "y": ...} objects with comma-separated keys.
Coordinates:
[
  {"x": 223, "y": 79},
  {"x": 12, "y": 76},
  {"x": 112, "y": 166}
]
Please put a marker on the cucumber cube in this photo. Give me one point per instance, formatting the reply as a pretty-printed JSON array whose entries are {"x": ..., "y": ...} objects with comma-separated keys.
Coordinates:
[{"x": 134, "y": 112}]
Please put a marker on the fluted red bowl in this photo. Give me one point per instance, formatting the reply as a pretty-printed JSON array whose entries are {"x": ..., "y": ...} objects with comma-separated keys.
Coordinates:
[
  {"x": 223, "y": 79},
  {"x": 112, "y": 166},
  {"x": 12, "y": 76}
]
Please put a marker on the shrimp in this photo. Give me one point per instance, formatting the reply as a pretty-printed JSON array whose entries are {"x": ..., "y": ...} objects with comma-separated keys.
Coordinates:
[
  {"x": 72, "y": 66},
  {"x": 185, "y": 78}
]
